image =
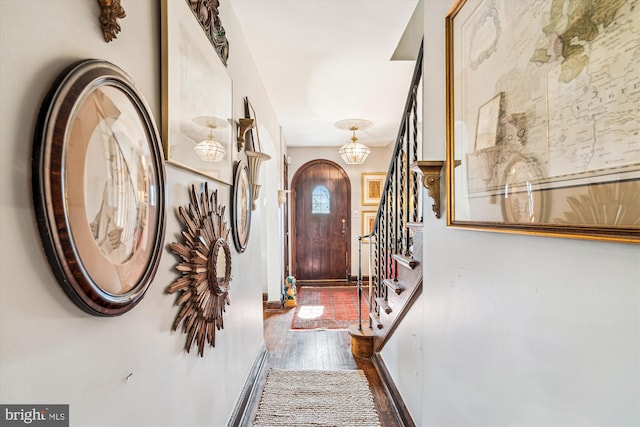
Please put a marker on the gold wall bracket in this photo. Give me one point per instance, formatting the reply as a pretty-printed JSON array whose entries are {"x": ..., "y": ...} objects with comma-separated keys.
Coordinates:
[
  {"x": 431, "y": 172},
  {"x": 111, "y": 11},
  {"x": 244, "y": 124}
]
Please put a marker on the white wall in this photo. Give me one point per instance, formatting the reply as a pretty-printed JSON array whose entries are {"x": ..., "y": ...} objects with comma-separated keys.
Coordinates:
[
  {"x": 377, "y": 161},
  {"x": 271, "y": 232},
  {"x": 512, "y": 329},
  {"x": 51, "y": 351}
]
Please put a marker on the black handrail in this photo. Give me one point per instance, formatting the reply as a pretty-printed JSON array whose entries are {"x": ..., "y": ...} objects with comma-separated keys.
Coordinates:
[
  {"x": 398, "y": 203},
  {"x": 415, "y": 81}
]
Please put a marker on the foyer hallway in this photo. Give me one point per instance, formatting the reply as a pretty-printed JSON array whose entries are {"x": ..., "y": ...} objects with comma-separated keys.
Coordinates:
[{"x": 320, "y": 349}]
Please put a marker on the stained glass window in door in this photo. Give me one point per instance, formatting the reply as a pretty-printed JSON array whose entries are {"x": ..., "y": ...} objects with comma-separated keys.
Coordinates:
[{"x": 320, "y": 200}]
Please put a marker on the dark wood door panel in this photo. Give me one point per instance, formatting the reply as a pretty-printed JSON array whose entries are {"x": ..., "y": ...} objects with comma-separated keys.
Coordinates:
[{"x": 321, "y": 240}]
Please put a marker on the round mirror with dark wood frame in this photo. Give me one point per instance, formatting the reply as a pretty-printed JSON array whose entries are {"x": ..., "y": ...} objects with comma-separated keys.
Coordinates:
[
  {"x": 241, "y": 201},
  {"x": 98, "y": 187}
]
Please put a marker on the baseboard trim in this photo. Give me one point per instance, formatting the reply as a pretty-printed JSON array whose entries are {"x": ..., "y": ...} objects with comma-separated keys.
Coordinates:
[
  {"x": 387, "y": 380},
  {"x": 273, "y": 305},
  {"x": 353, "y": 281},
  {"x": 242, "y": 414}
]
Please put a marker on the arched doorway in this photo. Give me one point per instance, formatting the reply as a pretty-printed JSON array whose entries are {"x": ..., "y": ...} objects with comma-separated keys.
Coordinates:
[{"x": 321, "y": 243}]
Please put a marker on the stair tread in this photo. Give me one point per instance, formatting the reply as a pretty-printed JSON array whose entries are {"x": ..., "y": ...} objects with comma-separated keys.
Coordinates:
[
  {"x": 384, "y": 304},
  {"x": 406, "y": 261},
  {"x": 394, "y": 285},
  {"x": 376, "y": 320}
]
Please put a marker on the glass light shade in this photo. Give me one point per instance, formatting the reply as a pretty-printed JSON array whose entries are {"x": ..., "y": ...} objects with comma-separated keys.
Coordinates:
[
  {"x": 354, "y": 153},
  {"x": 210, "y": 150}
]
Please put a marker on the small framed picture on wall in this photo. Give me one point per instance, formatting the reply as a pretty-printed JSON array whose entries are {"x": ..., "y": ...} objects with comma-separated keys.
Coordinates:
[
  {"x": 368, "y": 221},
  {"x": 372, "y": 185}
]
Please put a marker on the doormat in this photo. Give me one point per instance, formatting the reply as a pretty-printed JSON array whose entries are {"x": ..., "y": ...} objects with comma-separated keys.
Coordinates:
[
  {"x": 331, "y": 307},
  {"x": 316, "y": 398}
]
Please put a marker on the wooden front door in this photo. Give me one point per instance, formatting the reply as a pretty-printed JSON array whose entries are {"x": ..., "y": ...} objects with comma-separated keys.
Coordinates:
[{"x": 321, "y": 240}]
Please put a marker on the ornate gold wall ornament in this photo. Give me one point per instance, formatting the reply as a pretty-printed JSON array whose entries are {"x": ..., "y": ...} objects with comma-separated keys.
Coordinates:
[
  {"x": 244, "y": 125},
  {"x": 430, "y": 171},
  {"x": 206, "y": 11},
  {"x": 203, "y": 288},
  {"x": 111, "y": 12}
]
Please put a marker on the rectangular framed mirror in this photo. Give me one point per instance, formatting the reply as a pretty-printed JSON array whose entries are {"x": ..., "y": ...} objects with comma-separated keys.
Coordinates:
[{"x": 197, "y": 97}]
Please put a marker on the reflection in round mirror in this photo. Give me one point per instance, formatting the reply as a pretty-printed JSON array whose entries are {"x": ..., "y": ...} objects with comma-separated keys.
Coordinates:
[
  {"x": 220, "y": 267},
  {"x": 111, "y": 204}
]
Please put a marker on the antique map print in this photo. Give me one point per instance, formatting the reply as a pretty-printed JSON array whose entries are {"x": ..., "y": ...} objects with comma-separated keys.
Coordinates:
[{"x": 568, "y": 76}]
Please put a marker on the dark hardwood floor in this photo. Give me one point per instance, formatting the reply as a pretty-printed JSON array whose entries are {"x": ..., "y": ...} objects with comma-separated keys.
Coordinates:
[{"x": 323, "y": 350}]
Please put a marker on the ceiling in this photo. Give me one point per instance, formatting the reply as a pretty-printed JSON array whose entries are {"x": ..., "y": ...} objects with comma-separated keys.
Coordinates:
[{"x": 323, "y": 61}]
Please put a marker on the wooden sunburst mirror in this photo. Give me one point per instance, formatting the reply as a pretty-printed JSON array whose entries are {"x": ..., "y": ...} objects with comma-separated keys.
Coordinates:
[{"x": 203, "y": 287}]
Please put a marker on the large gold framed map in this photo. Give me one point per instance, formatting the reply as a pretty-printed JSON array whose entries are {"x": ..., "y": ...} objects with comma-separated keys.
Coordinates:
[{"x": 543, "y": 117}]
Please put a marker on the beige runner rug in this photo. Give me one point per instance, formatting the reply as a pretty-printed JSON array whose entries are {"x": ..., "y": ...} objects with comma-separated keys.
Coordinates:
[{"x": 316, "y": 398}]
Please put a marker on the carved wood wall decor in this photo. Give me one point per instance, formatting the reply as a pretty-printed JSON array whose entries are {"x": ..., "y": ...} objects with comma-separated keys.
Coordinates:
[
  {"x": 430, "y": 171},
  {"x": 206, "y": 11},
  {"x": 203, "y": 287},
  {"x": 244, "y": 125},
  {"x": 111, "y": 11}
]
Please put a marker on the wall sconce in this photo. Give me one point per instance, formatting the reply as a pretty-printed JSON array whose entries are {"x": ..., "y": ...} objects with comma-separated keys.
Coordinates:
[
  {"x": 255, "y": 159},
  {"x": 244, "y": 124},
  {"x": 282, "y": 196},
  {"x": 210, "y": 150}
]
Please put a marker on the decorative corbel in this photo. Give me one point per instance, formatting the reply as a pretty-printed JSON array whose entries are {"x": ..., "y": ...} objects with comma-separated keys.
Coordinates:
[
  {"x": 431, "y": 172},
  {"x": 111, "y": 12},
  {"x": 244, "y": 124}
]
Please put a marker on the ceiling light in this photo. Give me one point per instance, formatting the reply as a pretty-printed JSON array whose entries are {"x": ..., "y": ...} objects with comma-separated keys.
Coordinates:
[
  {"x": 354, "y": 153},
  {"x": 210, "y": 150}
]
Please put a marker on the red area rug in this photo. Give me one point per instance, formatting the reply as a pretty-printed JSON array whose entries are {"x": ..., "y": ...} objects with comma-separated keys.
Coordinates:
[{"x": 334, "y": 307}]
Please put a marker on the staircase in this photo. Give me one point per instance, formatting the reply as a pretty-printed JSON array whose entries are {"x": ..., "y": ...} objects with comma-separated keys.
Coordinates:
[
  {"x": 401, "y": 291},
  {"x": 396, "y": 240}
]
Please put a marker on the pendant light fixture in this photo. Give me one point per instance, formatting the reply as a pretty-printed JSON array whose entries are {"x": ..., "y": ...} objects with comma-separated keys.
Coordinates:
[
  {"x": 209, "y": 149},
  {"x": 354, "y": 153}
]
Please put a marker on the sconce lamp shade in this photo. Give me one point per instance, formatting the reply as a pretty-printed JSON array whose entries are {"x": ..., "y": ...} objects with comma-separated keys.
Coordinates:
[{"x": 210, "y": 150}]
